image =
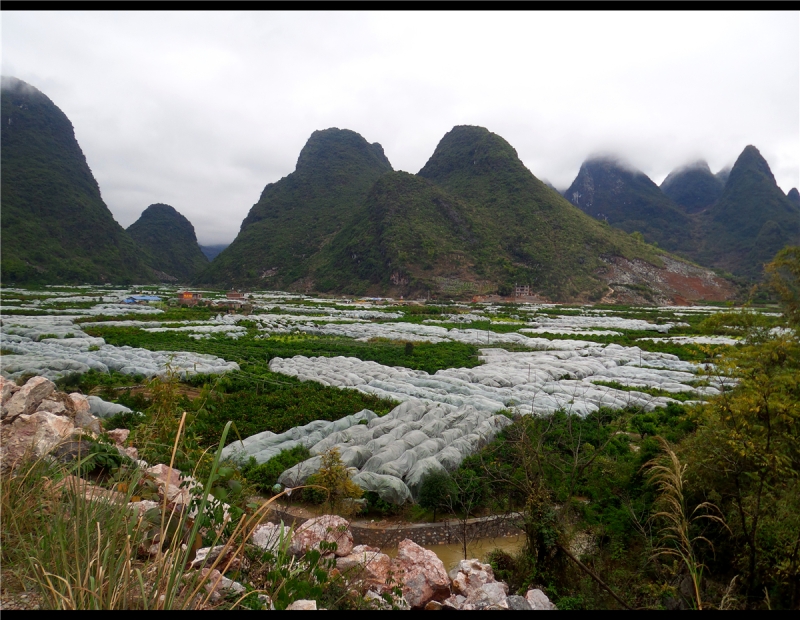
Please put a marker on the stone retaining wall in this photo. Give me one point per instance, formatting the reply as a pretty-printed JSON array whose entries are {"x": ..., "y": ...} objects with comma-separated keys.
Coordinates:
[{"x": 424, "y": 534}]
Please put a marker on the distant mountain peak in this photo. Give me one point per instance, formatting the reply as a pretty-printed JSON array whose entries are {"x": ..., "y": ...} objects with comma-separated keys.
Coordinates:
[
  {"x": 341, "y": 144},
  {"x": 56, "y": 227},
  {"x": 692, "y": 187},
  {"x": 752, "y": 160},
  {"x": 794, "y": 196},
  {"x": 170, "y": 240}
]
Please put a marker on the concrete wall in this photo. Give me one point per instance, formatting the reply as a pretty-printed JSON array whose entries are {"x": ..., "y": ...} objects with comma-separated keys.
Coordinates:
[{"x": 424, "y": 534}]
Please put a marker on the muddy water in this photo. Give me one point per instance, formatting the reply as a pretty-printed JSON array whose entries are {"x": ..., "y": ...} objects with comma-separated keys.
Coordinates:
[{"x": 450, "y": 555}]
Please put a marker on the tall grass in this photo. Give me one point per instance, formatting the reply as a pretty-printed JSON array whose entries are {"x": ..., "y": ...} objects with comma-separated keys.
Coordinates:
[
  {"x": 82, "y": 549},
  {"x": 675, "y": 538}
]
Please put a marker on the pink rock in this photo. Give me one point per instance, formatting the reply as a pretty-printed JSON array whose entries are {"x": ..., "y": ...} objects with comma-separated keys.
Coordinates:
[
  {"x": 422, "y": 574},
  {"x": 327, "y": 528},
  {"x": 52, "y": 406},
  {"x": 303, "y": 605},
  {"x": 119, "y": 436},
  {"x": 7, "y": 389},
  {"x": 267, "y": 536},
  {"x": 366, "y": 563},
  {"x": 85, "y": 420},
  {"x": 469, "y": 575},
  {"x": 538, "y": 600},
  {"x": 164, "y": 474},
  {"x": 33, "y": 436},
  {"x": 217, "y": 584},
  {"x": 80, "y": 402},
  {"x": 26, "y": 400}
]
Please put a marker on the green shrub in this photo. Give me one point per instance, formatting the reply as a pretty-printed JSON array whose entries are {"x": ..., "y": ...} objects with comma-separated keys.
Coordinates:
[{"x": 265, "y": 476}]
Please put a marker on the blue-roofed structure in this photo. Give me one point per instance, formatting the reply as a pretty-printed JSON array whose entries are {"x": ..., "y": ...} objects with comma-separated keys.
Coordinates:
[{"x": 138, "y": 299}]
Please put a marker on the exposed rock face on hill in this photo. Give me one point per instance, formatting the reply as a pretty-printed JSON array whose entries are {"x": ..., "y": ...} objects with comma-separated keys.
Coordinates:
[
  {"x": 692, "y": 187},
  {"x": 752, "y": 220},
  {"x": 296, "y": 216},
  {"x": 170, "y": 240},
  {"x": 55, "y": 226},
  {"x": 628, "y": 199}
]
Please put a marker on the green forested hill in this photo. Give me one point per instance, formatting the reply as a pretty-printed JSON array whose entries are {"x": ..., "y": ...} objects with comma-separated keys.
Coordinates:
[
  {"x": 297, "y": 215},
  {"x": 693, "y": 187},
  {"x": 794, "y": 196},
  {"x": 629, "y": 200},
  {"x": 170, "y": 240},
  {"x": 407, "y": 233},
  {"x": 752, "y": 220},
  {"x": 55, "y": 226},
  {"x": 527, "y": 233}
]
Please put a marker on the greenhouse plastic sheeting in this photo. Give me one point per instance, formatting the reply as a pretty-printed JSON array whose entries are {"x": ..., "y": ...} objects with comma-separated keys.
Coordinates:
[{"x": 266, "y": 445}]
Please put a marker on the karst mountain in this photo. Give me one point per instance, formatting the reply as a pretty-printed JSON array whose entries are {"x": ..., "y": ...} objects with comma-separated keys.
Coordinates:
[
  {"x": 170, "y": 241},
  {"x": 55, "y": 226}
]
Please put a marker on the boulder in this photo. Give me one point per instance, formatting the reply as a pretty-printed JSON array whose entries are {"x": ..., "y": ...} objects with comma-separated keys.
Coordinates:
[
  {"x": 303, "y": 605},
  {"x": 7, "y": 389},
  {"x": 79, "y": 402},
  {"x": 267, "y": 536},
  {"x": 163, "y": 474},
  {"x": 327, "y": 528},
  {"x": 34, "y": 436},
  {"x": 367, "y": 563},
  {"x": 207, "y": 556},
  {"x": 86, "y": 421},
  {"x": 422, "y": 574},
  {"x": 469, "y": 575},
  {"x": 218, "y": 585},
  {"x": 52, "y": 406},
  {"x": 518, "y": 603},
  {"x": 26, "y": 400},
  {"x": 490, "y": 595},
  {"x": 475, "y": 587},
  {"x": 119, "y": 435},
  {"x": 538, "y": 600}
]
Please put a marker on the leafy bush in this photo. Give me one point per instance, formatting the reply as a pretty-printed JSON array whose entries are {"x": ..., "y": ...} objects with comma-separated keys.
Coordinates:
[{"x": 265, "y": 476}]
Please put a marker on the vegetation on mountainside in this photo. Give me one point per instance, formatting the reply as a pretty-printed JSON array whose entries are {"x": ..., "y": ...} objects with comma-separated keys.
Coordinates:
[
  {"x": 527, "y": 232},
  {"x": 692, "y": 187},
  {"x": 55, "y": 226},
  {"x": 170, "y": 240},
  {"x": 750, "y": 223},
  {"x": 297, "y": 215},
  {"x": 734, "y": 221},
  {"x": 627, "y": 199},
  {"x": 407, "y": 232}
]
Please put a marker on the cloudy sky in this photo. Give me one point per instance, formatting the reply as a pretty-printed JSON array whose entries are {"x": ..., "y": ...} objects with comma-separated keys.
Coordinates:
[{"x": 201, "y": 110}]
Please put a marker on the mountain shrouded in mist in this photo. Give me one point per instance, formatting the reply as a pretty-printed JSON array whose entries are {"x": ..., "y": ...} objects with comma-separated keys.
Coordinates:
[
  {"x": 628, "y": 199},
  {"x": 170, "y": 241},
  {"x": 750, "y": 223},
  {"x": 55, "y": 226},
  {"x": 474, "y": 220},
  {"x": 693, "y": 187}
]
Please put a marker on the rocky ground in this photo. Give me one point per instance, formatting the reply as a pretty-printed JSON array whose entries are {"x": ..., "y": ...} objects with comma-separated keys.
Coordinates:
[{"x": 38, "y": 421}]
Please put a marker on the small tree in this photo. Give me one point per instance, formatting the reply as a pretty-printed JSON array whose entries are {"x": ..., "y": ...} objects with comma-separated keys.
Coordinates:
[
  {"x": 435, "y": 490},
  {"x": 335, "y": 478}
]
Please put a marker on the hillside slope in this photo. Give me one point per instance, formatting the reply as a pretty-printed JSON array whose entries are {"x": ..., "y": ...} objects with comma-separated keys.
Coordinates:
[
  {"x": 628, "y": 199},
  {"x": 528, "y": 233},
  {"x": 752, "y": 220},
  {"x": 692, "y": 187},
  {"x": 297, "y": 215},
  {"x": 409, "y": 236},
  {"x": 55, "y": 226},
  {"x": 170, "y": 240}
]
